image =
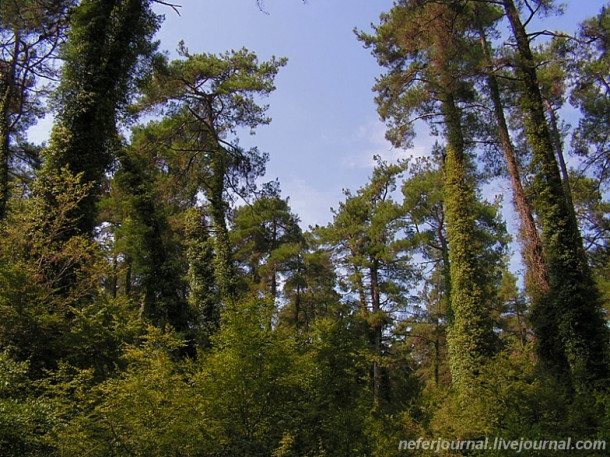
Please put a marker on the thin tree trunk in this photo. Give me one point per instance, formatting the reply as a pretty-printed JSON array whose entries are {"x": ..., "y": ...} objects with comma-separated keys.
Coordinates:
[
  {"x": 114, "y": 281},
  {"x": 446, "y": 271},
  {"x": 128, "y": 274},
  {"x": 361, "y": 294},
  {"x": 377, "y": 331},
  {"x": 537, "y": 277},
  {"x": 297, "y": 300},
  {"x": 4, "y": 158},
  {"x": 437, "y": 350},
  {"x": 274, "y": 272}
]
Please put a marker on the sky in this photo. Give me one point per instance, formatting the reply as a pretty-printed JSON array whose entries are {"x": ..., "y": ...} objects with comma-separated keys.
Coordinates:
[
  {"x": 325, "y": 128},
  {"x": 324, "y": 131}
]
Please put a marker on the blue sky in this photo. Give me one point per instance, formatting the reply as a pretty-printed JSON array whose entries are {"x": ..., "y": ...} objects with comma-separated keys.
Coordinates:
[{"x": 325, "y": 128}]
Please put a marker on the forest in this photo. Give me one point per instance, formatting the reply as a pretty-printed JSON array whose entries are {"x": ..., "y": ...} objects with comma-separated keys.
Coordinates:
[{"x": 159, "y": 296}]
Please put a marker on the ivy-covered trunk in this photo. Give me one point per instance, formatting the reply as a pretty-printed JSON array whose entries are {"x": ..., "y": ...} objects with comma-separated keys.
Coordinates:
[
  {"x": 4, "y": 157},
  {"x": 203, "y": 296},
  {"x": 106, "y": 40},
  {"x": 225, "y": 273},
  {"x": 470, "y": 337},
  {"x": 571, "y": 334},
  {"x": 377, "y": 329}
]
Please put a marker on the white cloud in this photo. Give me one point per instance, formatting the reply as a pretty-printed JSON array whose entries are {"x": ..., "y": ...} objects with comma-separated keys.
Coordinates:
[
  {"x": 370, "y": 141},
  {"x": 41, "y": 131},
  {"x": 310, "y": 204}
]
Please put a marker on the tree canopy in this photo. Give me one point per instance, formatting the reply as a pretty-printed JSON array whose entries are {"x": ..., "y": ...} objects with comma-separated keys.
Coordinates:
[{"x": 158, "y": 297}]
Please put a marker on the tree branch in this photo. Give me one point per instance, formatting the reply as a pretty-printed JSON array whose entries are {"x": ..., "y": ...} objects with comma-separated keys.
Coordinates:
[{"x": 173, "y": 6}]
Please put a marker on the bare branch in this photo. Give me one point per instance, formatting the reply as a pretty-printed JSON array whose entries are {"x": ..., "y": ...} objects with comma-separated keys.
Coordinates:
[
  {"x": 545, "y": 32},
  {"x": 173, "y": 6}
]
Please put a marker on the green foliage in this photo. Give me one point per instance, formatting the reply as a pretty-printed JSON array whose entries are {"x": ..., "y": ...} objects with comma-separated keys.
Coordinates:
[
  {"x": 252, "y": 382},
  {"x": 24, "y": 419},
  {"x": 185, "y": 326},
  {"x": 590, "y": 91},
  {"x": 310, "y": 283},
  {"x": 150, "y": 410},
  {"x": 108, "y": 41},
  {"x": 337, "y": 414},
  {"x": 258, "y": 392},
  {"x": 51, "y": 301},
  {"x": 514, "y": 401},
  {"x": 264, "y": 236}
]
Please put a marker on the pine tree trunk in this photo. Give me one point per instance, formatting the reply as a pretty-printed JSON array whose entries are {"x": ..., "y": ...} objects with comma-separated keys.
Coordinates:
[
  {"x": 361, "y": 292},
  {"x": 572, "y": 337},
  {"x": 274, "y": 245},
  {"x": 537, "y": 277},
  {"x": 225, "y": 275},
  {"x": 559, "y": 151},
  {"x": 446, "y": 271},
  {"x": 470, "y": 336},
  {"x": 4, "y": 159},
  {"x": 377, "y": 330}
]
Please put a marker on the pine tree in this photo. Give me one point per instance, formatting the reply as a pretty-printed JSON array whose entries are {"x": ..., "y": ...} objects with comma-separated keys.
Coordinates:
[
  {"x": 262, "y": 233},
  {"x": 590, "y": 93},
  {"x": 366, "y": 237},
  {"x": 571, "y": 333},
  {"x": 310, "y": 283},
  {"x": 425, "y": 48},
  {"x": 209, "y": 97},
  {"x": 533, "y": 254}
]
